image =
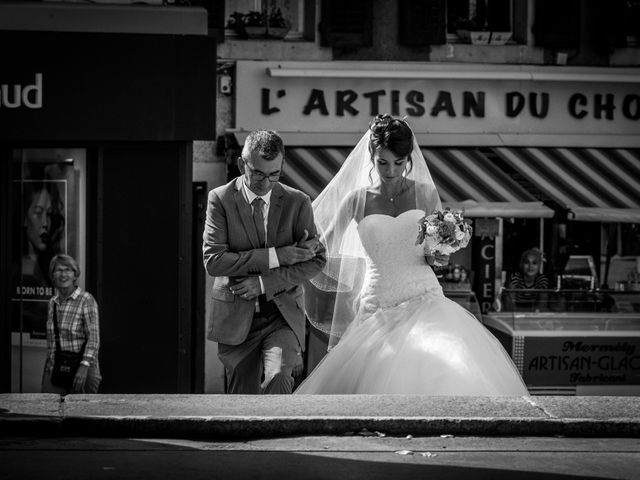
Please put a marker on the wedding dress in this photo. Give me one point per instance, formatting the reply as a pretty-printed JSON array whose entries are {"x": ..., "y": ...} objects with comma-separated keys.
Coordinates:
[{"x": 407, "y": 337}]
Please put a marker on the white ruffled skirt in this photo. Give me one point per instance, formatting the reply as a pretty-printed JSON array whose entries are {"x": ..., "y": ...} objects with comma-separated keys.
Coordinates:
[{"x": 427, "y": 345}]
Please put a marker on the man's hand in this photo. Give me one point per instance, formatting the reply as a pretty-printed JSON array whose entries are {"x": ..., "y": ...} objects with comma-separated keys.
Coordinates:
[
  {"x": 301, "y": 251},
  {"x": 312, "y": 243},
  {"x": 247, "y": 288}
]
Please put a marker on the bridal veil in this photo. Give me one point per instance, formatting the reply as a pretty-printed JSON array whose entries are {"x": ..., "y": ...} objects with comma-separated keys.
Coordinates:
[{"x": 332, "y": 297}]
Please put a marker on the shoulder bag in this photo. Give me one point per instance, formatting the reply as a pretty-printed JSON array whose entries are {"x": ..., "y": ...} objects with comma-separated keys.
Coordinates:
[{"x": 65, "y": 364}]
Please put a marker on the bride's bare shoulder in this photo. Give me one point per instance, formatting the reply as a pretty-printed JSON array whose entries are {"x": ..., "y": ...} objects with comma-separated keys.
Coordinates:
[
  {"x": 353, "y": 203},
  {"x": 349, "y": 204},
  {"x": 356, "y": 196}
]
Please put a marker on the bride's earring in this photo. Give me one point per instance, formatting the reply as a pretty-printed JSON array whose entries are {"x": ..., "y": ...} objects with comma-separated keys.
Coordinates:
[{"x": 407, "y": 169}]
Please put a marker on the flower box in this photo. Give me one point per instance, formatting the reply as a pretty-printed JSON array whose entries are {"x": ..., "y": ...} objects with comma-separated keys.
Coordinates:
[
  {"x": 259, "y": 31},
  {"x": 481, "y": 37},
  {"x": 257, "y": 24},
  {"x": 277, "y": 32}
]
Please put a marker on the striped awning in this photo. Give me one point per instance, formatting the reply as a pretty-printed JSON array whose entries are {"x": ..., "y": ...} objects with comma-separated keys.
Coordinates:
[
  {"x": 467, "y": 174},
  {"x": 595, "y": 184},
  {"x": 469, "y": 179},
  {"x": 310, "y": 169},
  {"x": 465, "y": 178}
]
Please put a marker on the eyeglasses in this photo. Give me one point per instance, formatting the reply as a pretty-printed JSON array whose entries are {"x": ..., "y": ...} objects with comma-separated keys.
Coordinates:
[
  {"x": 60, "y": 270},
  {"x": 257, "y": 175}
]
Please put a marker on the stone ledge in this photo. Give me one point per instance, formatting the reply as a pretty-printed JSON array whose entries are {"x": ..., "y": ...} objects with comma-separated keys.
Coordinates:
[{"x": 244, "y": 416}]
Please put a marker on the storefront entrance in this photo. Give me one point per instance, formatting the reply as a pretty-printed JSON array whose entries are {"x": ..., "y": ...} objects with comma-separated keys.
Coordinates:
[
  {"x": 102, "y": 171},
  {"x": 48, "y": 194}
]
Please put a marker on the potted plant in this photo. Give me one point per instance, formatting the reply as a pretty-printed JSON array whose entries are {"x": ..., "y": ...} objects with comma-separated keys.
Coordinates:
[
  {"x": 463, "y": 27},
  {"x": 235, "y": 25},
  {"x": 254, "y": 24},
  {"x": 470, "y": 32},
  {"x": 277, "y": 25}
]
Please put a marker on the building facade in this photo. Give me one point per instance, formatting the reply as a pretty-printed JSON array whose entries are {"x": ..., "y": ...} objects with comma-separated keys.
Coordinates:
[
  {"x": 527, "y": 113},
  {"x": 520, "y": 109},
  {"x": 100, "y": 107}
]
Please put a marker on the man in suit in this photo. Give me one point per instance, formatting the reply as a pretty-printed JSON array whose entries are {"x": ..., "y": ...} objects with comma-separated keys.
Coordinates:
[{"x": 260, "y": 245}]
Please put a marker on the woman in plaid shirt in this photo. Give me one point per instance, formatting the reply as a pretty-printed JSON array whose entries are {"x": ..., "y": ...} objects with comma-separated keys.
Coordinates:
[{"x": 78, "y": 323}]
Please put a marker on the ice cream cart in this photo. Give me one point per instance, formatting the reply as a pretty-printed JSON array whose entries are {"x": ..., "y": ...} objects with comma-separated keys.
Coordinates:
[{"x": 572, "y": 342}]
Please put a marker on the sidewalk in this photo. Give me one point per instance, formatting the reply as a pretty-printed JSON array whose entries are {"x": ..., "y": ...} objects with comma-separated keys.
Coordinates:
[{"x": 243, "y": 416}]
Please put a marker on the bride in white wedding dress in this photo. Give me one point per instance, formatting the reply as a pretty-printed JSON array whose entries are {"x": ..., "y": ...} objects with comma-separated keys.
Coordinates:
[{"x": 392, "y": 331}]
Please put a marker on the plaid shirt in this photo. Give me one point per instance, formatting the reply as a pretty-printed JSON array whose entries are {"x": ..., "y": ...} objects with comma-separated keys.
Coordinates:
[{"x": 77, "y": 321}]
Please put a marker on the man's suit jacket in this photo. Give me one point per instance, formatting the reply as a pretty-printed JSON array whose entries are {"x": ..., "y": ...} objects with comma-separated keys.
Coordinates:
[{"x": 231, "y": 249}]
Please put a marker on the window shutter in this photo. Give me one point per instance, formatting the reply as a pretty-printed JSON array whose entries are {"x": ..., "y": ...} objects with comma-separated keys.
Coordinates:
[
  {"x": 499, "y": 15},
  {"x": 632, "y": 18},
  {"x": 216, "y": 20},
  {"x": 557, "y": 24},
  {"x": 422, "y": 22},
  {"x": 615, "y": 14},
  {"x": 346, "y": 23}
]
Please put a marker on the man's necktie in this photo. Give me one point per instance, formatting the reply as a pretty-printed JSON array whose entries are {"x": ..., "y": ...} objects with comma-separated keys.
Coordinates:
[{"x": 258, "y": 219}]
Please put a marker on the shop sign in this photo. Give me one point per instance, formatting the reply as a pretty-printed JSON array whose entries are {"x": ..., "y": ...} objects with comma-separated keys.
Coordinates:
[
  {"x": 484, "y": 265},
  {"x": 340, "y": 103},
  {"x": 82, "y": 86},
  {"x": 553, "y": 361},
  {"x": 22, "y": 96},
  {"x": 486, "y": 227}
]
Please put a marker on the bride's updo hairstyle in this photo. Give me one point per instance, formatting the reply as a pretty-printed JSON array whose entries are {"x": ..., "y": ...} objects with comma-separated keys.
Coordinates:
[{"x": 391, "y": 134}]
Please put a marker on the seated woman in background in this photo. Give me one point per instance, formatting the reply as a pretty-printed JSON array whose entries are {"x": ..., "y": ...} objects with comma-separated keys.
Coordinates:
[{"x": 529, "y": 278}]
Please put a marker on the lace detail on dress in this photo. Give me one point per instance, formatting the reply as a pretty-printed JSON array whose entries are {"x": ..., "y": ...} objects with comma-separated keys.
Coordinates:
[{"x": 396, "y": 268}]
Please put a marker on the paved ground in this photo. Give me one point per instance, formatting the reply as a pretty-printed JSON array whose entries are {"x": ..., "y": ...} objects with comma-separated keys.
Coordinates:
[
  {"x": 225, "y": 416},
  {"x": 367, "y": 455}
]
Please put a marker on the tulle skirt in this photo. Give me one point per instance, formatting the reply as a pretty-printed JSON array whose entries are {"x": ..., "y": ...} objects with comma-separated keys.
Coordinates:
[{"x": 428, "y": 345}]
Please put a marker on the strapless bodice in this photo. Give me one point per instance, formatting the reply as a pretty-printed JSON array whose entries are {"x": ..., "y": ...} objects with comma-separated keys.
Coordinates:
[{"x": 396, "y": 270}]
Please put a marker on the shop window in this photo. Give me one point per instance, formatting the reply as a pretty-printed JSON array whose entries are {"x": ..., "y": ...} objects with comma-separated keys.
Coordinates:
[
  {"x": 621, "y": 256},
  {"x": 299, "y": 14},
  {"x": 574, "y": 23},
  {"x": 48, "y": 192},
  {"x": 519, "y": 235},
  {"x": 631, "y": 16},
  {"x": 435, "y": 22},
  {"x": 630, "y": 239},
  {"x": 467, "y": 16}
]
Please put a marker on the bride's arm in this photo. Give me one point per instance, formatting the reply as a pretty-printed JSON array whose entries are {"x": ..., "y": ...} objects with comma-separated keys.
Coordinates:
[
  {"x": 347, "y": 211},
  {"x": 429, "y": 198}
]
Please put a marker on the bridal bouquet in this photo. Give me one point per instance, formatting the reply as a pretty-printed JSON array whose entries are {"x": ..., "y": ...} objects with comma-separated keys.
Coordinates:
[{"x": 443, "y": 232}]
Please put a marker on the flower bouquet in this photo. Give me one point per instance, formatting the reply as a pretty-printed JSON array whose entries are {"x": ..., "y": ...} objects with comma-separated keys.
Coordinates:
[{"x": 443, "y": 232}]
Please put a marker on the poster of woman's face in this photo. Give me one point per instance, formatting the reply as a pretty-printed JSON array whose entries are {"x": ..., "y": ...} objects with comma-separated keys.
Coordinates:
[
  {"x": 38, "y": 219},
  {"x": 42, "y": 226},
  {"x": 40, "y": 233},
  {"x": 44, "y": 218}
]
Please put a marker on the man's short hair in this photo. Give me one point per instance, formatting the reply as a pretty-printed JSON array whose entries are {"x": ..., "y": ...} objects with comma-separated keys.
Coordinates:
[{"x": 267, "y": 143}]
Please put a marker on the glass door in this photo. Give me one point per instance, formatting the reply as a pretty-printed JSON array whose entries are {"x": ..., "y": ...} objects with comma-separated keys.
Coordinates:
[{"x": 48, "y": 218}]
